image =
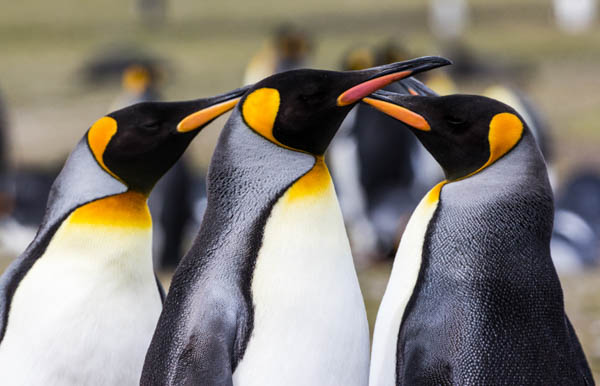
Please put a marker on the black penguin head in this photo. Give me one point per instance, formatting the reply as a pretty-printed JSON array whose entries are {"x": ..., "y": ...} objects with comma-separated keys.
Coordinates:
[
  {"x": 138, "y": 144},
  {"x": 302, "y": 109},
  {"x": 464, "y": 133}
]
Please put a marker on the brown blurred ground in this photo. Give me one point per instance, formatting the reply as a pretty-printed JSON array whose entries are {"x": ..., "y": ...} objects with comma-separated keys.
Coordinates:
[{"x": 44, "y": 44}]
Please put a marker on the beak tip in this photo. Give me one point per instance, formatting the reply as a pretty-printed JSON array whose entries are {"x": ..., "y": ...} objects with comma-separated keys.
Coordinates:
[
  {"x": 437, "y": 61},
  {"x": 445, "y": 61}
]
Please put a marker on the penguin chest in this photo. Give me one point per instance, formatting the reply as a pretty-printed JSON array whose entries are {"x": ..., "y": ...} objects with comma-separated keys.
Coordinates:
[
  {"x": 310, "y": 325},
  {"x": 400, "y": 287},
  {"x": 86, "y": 310}
]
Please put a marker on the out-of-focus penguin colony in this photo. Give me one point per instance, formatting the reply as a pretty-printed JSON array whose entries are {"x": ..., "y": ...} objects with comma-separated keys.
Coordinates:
[{"x": 540, "y": 57}]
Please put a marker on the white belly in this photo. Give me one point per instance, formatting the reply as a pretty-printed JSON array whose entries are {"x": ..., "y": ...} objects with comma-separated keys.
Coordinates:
[
  {"x": 310, "y": 324},
  {"x": 401, "y": 284},
  {"x": 85, "y": 312}
]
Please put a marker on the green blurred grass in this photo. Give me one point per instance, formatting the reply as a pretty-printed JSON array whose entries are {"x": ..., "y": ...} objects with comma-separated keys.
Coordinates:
[{"x": 44, "y": 44}]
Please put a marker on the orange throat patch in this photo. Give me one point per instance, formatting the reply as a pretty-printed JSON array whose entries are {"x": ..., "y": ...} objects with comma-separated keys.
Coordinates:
[
  {"x": 433, "y": 196},
  {"x": 312, "y": 184},
  {"x": 129, "y": 210}
]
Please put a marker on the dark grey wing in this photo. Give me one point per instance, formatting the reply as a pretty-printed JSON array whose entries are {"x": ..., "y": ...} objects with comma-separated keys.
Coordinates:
[
  {"x": 80, "y": 181},
  {"x": 215, "y": 334},
  {"x": 195, "y": 345}
]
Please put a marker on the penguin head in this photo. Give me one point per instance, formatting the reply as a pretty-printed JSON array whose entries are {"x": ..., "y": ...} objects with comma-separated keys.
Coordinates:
[
  {"x": 464, "y": 133},
  {"x": 138, "y": 144},
  {"x": 302, "y": 109}
]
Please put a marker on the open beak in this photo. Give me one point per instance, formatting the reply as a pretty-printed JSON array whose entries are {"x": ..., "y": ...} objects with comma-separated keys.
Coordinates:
[
  {"x": 205, "y": 110},
  {"x": 399, "y": 106},
  {"x": 379, "y": 77},
  {"x": 414, "y": 87}
]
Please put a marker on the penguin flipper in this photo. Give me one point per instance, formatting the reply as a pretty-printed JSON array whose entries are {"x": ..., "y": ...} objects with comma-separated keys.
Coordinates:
[{"x": 193, "y": 348}]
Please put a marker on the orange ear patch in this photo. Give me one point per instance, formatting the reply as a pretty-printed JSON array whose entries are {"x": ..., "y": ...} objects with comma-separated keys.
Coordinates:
[
  {"x": 260, "y": 111},
  {"x": 506, "y": 130},
  {"x": 98, "y": 138},
  {"x": 127, "y": 209},
  {"x": 199, "y": 118}
]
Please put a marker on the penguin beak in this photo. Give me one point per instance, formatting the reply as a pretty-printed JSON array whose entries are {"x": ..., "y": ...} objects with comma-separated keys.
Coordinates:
[
  {"x": 206, "y": 110},
  {"x": 414, "y": 87},
  {"x": 401, "y": 107},
  {"x": 379, "y": 77}
]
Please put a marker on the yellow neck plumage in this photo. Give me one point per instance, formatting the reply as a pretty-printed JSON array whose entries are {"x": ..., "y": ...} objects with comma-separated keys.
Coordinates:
[
  {"x": 127, "y": 209},
  {"x": 313, "y": 183}
]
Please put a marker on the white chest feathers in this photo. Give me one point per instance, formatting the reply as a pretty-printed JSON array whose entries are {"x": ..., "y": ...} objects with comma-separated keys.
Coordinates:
[
  {"x": 85, "y": 312},
  {"x": 403, "y": 279},
  {"x": 310, "y": 324}
]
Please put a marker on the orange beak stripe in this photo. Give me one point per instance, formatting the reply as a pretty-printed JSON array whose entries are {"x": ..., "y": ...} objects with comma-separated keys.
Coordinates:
[
  {"x": 199, "y": 118},
  {"x": 361, "y": 90},
  {"x": 402, "y": 114}
]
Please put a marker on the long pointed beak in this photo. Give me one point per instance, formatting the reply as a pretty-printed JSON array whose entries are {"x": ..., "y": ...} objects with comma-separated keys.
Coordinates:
[
  {"x": 379, "y": 77},
  {"x": 398, "y": 106},
  {"x": 207, "y": 110}
]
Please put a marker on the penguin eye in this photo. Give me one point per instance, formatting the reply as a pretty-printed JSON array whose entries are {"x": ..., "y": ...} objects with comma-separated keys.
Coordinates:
[
  {"x": 305, "y": 98},
  {"x": 455, "y": 121},
  {"x": 149, "y": 127},
  {"x": 309, "y": 100}
]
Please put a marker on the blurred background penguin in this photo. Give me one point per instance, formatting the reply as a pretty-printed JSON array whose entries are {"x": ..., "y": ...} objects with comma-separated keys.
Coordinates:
[{"x": 288, "y": 48}]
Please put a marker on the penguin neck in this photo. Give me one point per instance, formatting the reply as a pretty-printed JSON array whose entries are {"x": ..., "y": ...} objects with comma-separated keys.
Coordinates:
[
  {"x": 120, "y": 226},
  {"x": 522, "y": 168},
  {"x": 126, "y": 210},
  {"x": 307, "y": 213},
  {"x": 316, "y": 182}
]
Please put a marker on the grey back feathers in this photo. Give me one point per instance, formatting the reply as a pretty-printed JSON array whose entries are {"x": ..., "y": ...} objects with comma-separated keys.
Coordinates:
[
  {"x": 209, "y": 307},
  {"x": 80, "y": 181}
]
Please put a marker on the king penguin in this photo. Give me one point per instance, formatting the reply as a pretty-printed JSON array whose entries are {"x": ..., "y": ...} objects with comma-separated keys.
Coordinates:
[
  {"x": 79, "y": 306},
  {"x": 268, "y": 294},
  {"x": 473, "y": 296}
]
